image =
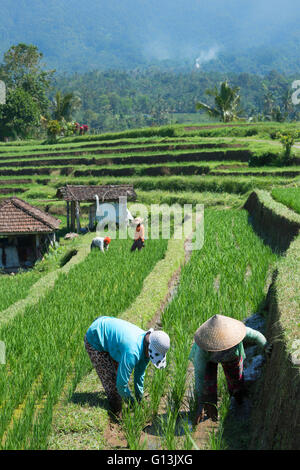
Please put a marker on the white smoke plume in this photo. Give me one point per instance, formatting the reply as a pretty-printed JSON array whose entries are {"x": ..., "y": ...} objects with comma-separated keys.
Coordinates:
[{"x": 206, "y": 56}]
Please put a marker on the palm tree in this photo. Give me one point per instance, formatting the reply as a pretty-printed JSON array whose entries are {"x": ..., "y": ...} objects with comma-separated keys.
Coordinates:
[
  {"x": 65, "y": 105},
  {"x": 227, "y": 102}
]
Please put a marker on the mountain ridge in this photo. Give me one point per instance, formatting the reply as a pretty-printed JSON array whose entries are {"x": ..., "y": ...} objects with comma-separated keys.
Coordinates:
[{"x": 239, "y": 37}]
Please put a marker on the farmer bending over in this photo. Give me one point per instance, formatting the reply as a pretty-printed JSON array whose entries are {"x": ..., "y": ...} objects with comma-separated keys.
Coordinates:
[
  {"x": 220, "y": 340},
  {"x": 116, "y": 347},
  {"x": 139, "y": 235},
  {"x": 101, "y": 243}
]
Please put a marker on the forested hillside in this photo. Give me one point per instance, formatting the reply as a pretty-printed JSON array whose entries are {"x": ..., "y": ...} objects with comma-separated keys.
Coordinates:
[
  {"x": 236, "y": 36},
  {"x": 115, "y": 100}
]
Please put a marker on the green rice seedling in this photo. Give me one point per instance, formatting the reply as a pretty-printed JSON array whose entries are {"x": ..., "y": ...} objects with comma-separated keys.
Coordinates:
[
  {"x": 156, "y": 388},
  {"x": 290, "y": 197},
  {"x": 233, "y": 254},
  {"x": 216, "y": 437},
  {"x": 188, "y": 442},
  {"x": 133, "y": 421},
  {"x": 13, "y": 288},
  {"x": 168, "y": 424},
  {"x": 47, "y": 340},
  {"x": 180, "y": 361},
  {"x": 17, "y": 287}
]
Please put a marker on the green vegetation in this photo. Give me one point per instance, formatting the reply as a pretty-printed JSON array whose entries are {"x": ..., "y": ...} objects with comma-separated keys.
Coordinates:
[
  {"x": 16, "y": 287},
  {"x": 290, "y": 197},
  {"x": 137, "y": 123},
  {"x": 13, "y": 288},
  {"x": 238, "y": 259},
  {"x": 217, "y": 165},
  {"x": 77, "y": 416},
  {"x": 287, "y": 141},
  {"x": 272, "y": 426},
  {"x": 122, "y": 41},
  {"x": 226, "y": 103},
  {"x": 27, "y": 84},
  {"x": 109, "y": 101},
  {"x": 57, "y": 358}
]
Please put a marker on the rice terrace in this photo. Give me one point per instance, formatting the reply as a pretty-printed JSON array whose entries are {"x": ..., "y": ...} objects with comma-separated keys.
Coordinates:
[{"x": 248, "y": 269}]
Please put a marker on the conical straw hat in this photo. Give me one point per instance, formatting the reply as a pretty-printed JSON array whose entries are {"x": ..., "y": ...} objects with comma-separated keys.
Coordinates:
[{"x": 220, "y": 333}]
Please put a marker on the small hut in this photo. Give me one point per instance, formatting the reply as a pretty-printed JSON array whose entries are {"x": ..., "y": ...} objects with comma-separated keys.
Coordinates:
[
  {"x": 74, "y": 195},
  {"x": 25, "y": 233}
]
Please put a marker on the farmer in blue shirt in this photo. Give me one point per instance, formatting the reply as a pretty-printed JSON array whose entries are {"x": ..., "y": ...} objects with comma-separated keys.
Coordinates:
[{"x": 116, "y": 348}]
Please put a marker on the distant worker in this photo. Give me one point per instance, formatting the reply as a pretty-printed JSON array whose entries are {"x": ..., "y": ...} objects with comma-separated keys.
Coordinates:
[
  {"x": 116, "y": 347},
  {"x": 139, "y": 235},
  {"x": 220, "y": 340},
  {"x": 101, "y": 243}
]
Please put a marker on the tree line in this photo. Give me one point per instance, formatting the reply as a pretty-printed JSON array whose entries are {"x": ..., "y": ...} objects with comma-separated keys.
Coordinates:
[{"x": 41, "y": 101}]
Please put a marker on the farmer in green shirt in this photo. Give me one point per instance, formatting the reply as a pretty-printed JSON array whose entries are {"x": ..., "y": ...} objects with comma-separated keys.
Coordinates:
[{"x": 220, "y": 340}]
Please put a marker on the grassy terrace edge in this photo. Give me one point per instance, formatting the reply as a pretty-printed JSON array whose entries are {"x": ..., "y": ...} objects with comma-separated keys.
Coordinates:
[{"x": 276, "y": 415}]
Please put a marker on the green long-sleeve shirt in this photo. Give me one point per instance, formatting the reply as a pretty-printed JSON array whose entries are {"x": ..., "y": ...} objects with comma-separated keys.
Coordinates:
[{"x": 200, "y": 357}]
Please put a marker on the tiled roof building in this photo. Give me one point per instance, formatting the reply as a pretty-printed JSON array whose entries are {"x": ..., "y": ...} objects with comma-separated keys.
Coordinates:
[
  {"x": 25, "y": 234},
  {"x": 19, "y": 217}
]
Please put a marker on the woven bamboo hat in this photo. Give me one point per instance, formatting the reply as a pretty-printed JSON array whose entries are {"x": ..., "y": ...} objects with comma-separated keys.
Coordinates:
[{"x": 219, "y": 333}]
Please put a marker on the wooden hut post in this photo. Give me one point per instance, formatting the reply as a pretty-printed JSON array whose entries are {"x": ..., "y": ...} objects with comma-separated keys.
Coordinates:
[
  {"x": 73, "y": 216},
  {"x": 91, "y": 217},
  {"x": 37, "y": 253},
  {"x": 68, "y": 215},
  {"x": 77, "y": 211}
]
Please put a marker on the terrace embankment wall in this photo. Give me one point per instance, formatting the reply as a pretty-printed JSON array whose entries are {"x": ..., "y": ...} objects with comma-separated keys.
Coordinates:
[
  {"x": 277, "y": 225},
  {"x": 275, "y": 421}
]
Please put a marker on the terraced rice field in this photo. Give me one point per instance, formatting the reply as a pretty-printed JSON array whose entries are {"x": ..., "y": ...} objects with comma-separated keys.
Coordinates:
[
  {"x": 45, "y": 355},
  {"x": 228, "y": 277},
  {"x": 289, "y": 197},
  {"x": 183, "y": 162},
  {"x": 44, "y": 345}
]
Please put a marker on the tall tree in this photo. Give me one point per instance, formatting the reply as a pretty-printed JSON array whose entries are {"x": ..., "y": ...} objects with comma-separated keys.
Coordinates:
[
  {"x": 20, "y": 116},
  {"x": 22, "y": 68},
  {"x": 65, "y": 105},
  {"x": 227, "y": 102}
]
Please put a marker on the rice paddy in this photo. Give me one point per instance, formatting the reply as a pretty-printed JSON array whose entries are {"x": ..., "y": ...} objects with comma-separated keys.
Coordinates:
[{"x": 230, "y": 275}]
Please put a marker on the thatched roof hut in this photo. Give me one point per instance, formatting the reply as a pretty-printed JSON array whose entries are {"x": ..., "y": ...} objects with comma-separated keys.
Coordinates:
[
  {"x": 73, "y": 195},
  {"x": 87, "y": 193}
]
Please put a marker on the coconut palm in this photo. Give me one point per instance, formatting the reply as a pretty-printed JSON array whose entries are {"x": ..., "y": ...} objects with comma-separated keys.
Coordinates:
[
  {"x": 227, "y": 102},
  {"x": 65, "y": 105}
]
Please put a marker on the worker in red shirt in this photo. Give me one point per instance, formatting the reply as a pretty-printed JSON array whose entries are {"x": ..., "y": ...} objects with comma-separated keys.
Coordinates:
[
  {"x": 101, "y": 243},
  {"x": 139, "y": 235}
]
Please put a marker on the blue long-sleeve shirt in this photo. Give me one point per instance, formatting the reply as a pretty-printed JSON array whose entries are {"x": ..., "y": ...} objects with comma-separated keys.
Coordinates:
[{"x": 125, "y": 344}]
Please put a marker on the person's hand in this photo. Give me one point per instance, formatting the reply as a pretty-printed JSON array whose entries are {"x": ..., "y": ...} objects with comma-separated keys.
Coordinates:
[{"x": 268, "y": 349}]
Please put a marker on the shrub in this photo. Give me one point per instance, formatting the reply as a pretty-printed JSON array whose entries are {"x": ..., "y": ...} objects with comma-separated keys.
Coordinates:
[
  {"x": 287, "y": 140},
  {"x": 263, "y": 159},
  {"x": 54, "y": 129}
]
